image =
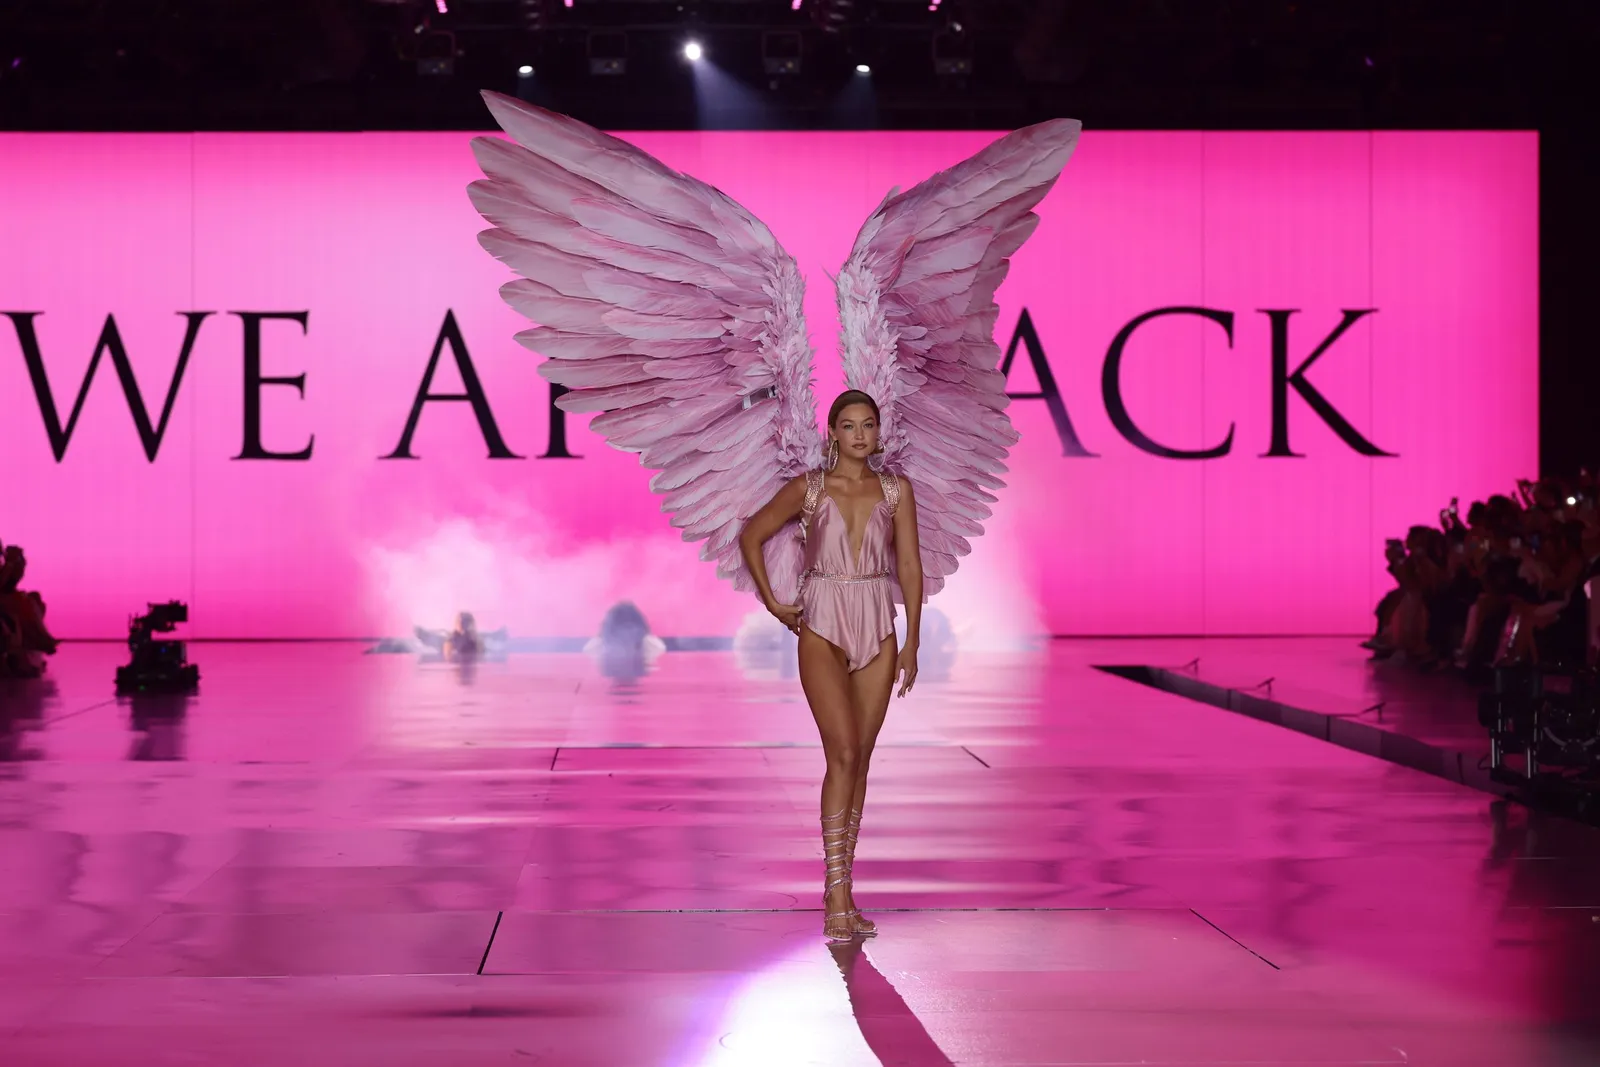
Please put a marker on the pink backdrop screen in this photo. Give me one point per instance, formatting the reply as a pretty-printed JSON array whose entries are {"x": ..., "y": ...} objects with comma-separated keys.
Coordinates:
[{"x": 334, "y": 261}]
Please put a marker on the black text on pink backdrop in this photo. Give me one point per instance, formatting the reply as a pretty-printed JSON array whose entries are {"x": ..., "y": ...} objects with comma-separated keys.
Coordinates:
[{"x": 1283, "y": 381}]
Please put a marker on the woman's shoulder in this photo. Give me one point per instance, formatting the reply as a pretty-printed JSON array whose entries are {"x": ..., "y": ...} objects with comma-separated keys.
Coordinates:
[{"x": 896, "y": 488}]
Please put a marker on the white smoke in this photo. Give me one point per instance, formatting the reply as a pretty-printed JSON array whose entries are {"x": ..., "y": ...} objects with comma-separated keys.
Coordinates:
[
  {"x": 511, "y": 569},
  {"x": 990, "y": 601},
  {"x": 517, "y": 573}
]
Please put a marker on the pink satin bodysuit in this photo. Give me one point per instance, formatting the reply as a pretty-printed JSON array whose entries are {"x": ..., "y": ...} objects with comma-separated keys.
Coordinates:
[{"x": 848, "y": 602}]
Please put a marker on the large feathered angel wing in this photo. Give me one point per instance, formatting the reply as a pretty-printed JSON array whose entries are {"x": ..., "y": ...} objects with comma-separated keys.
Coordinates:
[
  {"x": 917, "y": 316},
  {"x": 668, "y": 307}
]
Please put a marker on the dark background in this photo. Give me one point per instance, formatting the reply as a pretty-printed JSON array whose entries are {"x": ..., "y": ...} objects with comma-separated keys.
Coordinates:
[{"x": 1116, "y": 64}]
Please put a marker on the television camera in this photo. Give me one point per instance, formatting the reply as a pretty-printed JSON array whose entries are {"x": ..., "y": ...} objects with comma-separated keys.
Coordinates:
[
  {"x": 1544, "y": 735},
  {"x": 157, "y": 665}
]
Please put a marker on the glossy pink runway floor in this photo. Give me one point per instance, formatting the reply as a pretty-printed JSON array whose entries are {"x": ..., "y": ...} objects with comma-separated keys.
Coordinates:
[{"x": 342, "y": 859}]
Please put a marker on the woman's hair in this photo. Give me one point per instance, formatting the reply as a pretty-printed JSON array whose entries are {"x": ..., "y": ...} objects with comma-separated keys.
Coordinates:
[
  {"x": 845, "y": 399},
  {"x": 624, "y": 618}
]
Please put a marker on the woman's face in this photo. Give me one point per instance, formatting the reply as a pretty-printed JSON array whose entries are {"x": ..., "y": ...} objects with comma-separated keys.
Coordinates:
[{"x": 856, "y": 430}]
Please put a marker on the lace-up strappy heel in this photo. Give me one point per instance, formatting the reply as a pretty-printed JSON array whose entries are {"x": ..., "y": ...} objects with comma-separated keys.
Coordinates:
[
  {"x": 864, "y": 926},
  {"x": 838, "y": 927}
]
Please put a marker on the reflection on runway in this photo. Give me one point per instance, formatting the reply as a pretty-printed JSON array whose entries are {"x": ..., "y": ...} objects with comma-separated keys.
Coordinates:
[{"x": 325, "y": 856}]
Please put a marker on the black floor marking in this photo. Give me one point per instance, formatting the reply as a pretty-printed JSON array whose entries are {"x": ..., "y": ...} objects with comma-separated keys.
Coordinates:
[
  {"x": 974, "y": 755},
  {"x": 497, "y": 917},
  {"x": 553, "y": 757},
  {"x": 70, "y": 714},
  {"x": 1235, "y": 940}
]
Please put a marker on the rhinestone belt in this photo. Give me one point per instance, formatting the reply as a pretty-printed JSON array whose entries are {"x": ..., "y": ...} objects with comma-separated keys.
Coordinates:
[{"x": 848, "y": 579}]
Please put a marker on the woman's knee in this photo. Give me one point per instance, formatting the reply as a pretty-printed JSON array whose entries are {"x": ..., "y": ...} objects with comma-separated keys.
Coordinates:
[{"x": 845, "y": 758}]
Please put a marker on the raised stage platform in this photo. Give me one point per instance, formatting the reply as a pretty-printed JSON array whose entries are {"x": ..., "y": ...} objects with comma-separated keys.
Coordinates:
[{"x": 336, "y": 858}]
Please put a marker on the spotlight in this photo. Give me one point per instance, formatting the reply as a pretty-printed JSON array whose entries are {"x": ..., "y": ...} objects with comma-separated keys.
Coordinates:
[
  {"x": 608, "y": 52},
  {"x": 692, "y": 51},
  {"x": 780, "y": 52},
  {"x": 525, "y": 70},
  {"x": 831, "y": 15},
  {"x": 952, "y": 55},
  {"x": 862, "y": 68},
  {"x": 436, "y": 54}
]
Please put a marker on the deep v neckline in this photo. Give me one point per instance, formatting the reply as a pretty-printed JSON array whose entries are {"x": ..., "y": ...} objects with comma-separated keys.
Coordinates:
[{"x": 855, "y": 553}]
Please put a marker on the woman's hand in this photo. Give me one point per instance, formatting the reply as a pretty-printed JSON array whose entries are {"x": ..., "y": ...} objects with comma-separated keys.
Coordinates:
[
  {"x": 788, "y": 614},
  {"x": 905, "y": 668}
]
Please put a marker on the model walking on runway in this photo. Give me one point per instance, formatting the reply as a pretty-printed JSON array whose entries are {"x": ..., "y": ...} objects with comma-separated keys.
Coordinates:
[
  {"x": 670, "y": 310},
  {"x": 845, "y": 619}
]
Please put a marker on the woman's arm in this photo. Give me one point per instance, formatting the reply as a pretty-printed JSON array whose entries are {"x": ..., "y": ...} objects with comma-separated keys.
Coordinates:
[
  {"x": 778, "y": 512},
  {"x": 908, "y": 569}
]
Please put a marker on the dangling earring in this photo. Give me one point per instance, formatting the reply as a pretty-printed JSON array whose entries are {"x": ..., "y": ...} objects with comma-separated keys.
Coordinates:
[{"x": 833, "y": 454}]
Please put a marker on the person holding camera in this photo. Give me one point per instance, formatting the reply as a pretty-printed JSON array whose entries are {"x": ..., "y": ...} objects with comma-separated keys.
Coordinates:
[{"x": 24, "y": 639}]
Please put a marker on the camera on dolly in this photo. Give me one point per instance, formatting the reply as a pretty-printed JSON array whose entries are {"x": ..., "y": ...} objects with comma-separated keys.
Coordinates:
[
  {"x": 157, "y": 665},
  {"x": 1544, "y": 736}
]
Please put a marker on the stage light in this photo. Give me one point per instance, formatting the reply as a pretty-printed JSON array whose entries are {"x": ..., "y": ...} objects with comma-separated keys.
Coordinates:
[
  {"x": 444, "y": 8},
  {"x": 862, "y": 68},
  {"x": 436, "y": 54},
  {"x": 608, "y": 52},
  {"x": 780, "y": 52},
  {"x": 692, "y": 51},
  {"x": 952, "y": 55},
  {"x": 832, "y": 15},
  {"x": 525, "y": 71}
]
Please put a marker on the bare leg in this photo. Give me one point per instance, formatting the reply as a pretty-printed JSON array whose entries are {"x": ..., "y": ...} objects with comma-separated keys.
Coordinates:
[
  {"x": 825, "y": 677},
  {"x": 871, "y": 687}
]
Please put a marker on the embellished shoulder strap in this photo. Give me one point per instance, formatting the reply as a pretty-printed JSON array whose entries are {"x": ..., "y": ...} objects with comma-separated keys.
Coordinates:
[
  {"x": 891, "y": 490},
  {"x": 813, "y": 494}
]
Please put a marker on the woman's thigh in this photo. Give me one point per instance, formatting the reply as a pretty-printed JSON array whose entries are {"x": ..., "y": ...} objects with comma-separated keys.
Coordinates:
[
  {"x": 871, "y": 688},
  {"x": 825, "y": 678}
]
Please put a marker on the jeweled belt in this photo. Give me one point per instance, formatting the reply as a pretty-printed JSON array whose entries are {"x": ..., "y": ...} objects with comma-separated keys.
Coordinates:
[{"x": 850, "y": 579}]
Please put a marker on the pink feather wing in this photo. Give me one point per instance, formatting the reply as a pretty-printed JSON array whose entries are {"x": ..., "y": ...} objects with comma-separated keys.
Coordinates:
[
  {"x": 917, "y": 315},
  {"x": 666, "y": 306}
]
